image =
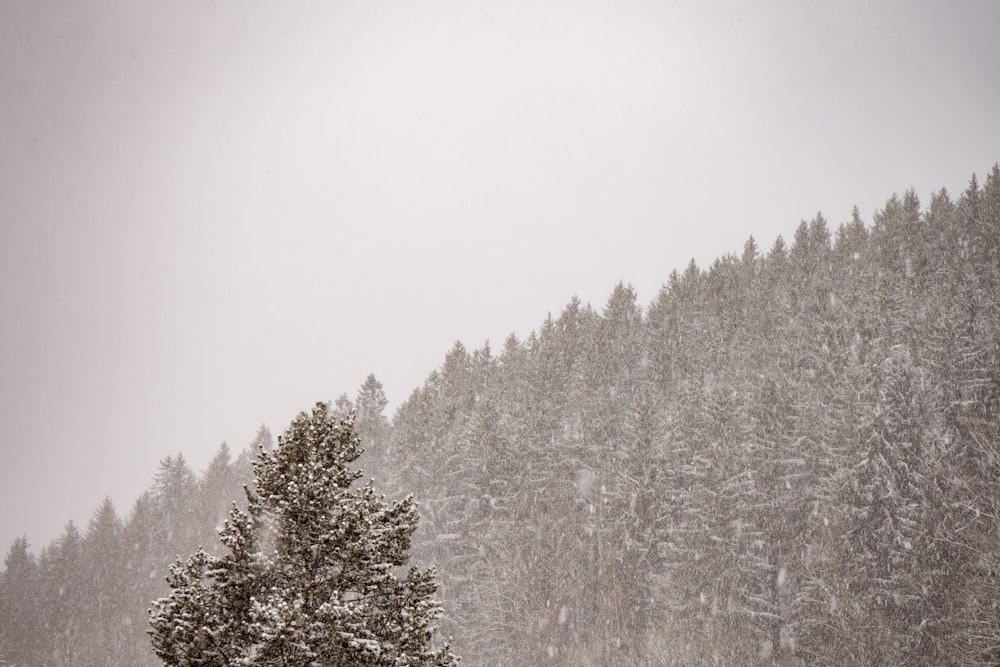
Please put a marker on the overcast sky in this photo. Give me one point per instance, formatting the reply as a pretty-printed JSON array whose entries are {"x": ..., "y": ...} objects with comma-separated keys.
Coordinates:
[{"x": 213, "y": 214}]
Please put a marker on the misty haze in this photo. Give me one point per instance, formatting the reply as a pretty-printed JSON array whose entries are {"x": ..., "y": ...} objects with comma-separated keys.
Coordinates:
[{"x": 531, "y": 334}]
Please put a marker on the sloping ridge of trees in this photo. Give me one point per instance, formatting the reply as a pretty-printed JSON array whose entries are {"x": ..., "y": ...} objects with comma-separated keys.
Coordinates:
[{"x": 788, "y": 458}]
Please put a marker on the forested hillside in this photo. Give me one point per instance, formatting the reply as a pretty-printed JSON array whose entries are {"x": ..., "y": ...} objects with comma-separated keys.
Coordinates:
[{"x": 790, "y": 457}]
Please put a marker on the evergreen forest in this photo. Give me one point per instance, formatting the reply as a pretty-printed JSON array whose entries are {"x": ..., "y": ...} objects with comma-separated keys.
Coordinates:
[{"x": 789, "y": 457}]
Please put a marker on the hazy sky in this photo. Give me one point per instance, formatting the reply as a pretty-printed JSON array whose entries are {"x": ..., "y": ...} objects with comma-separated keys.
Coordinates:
[{"x": 213, "y": 214}]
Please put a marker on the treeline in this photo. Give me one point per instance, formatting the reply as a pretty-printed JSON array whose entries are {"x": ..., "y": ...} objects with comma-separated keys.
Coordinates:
[
  {"x": 84, "y": 600},
  {"x": 790, "y": 457}
]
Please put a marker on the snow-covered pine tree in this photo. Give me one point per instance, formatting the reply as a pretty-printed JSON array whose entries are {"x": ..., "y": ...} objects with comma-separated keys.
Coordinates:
[{"x": 310, "y": 573}]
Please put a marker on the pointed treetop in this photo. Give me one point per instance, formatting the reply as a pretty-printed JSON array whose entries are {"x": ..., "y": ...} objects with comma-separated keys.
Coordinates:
[
  {"x": 105, "y": 522},
  {"x": 371, "y": 397},
  {"x": 750, "y": 252},
  {"x": 310, "y": 577},
  {"x": 691, "y": 272},
  {"x": 18, "y": 557},
  {"x": 262, "y": 440}
]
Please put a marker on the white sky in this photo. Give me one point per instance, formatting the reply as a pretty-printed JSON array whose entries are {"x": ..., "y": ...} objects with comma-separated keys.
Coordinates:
[{"x": 213, "y": 214}]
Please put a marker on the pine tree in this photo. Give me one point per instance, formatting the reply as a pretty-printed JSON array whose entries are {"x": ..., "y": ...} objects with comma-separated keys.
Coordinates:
[
  {"x": 310, "y": 575},
  {"x": 63, "y": 596},
  {"x": 373, "y": 427},
  {"x": 104, "y": 597},
  {"x": 175, "y": 492},
  {"x": 214, "y": 493},
  {"x": 20, "y": 611}
]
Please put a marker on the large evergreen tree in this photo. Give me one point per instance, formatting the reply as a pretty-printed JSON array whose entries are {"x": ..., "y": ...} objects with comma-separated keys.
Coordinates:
[{"x": 310, "y": 576}]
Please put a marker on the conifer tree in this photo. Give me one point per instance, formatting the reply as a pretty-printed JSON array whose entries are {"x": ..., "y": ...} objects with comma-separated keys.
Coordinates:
[
  {"x": 373, "y": 428},
  {"x": 309, "y": 577},
  {"x": 63, "y": 596},
  {"x": 20, "y": 621},
  {"x": 103, "y": 597}
]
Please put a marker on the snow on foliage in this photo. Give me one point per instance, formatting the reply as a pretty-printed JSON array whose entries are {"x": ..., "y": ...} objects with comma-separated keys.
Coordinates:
[{"x": 309, "y": 574}]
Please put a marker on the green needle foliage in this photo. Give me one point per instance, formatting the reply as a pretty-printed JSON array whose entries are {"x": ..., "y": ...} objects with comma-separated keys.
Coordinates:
[{"x": 312, "y": 570}]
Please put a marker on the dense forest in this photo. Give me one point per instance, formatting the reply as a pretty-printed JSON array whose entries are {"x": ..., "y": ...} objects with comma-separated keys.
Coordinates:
[{"x": 790, "y": 457}]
